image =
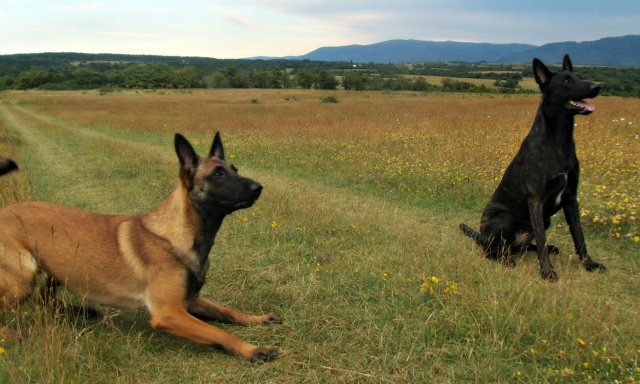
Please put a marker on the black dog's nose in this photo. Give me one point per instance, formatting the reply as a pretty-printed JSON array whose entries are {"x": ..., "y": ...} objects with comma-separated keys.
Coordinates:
[
  {"x": 255, "y": 188},
  {"x": 595, "y": 89}
]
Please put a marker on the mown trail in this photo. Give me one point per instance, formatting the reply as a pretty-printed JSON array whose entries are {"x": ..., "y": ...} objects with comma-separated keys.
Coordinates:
[
  {"x": 71, "y": 154},
  {"x": 69, "y": 164},
  {"x": 349, "y": 272}
]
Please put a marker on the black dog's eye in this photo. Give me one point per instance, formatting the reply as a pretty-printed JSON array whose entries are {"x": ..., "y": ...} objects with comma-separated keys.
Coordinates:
[{"x": 567, "y": 82}]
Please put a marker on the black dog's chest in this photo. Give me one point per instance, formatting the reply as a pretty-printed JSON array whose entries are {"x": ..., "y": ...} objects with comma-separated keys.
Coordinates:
[{"x": 554, "y": 190}]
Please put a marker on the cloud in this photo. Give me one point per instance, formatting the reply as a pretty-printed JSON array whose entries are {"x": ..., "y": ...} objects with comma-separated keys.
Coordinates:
[{"x": 239, "y": 19}]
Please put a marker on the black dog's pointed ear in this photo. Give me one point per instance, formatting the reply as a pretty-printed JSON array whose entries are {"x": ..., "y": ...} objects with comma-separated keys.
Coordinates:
[
  {"x": 542, "y": 73},
  {"x": 188, "y": 159},
  {"x": 566, "y": 64},
  {"x": 216, "y": 147}
]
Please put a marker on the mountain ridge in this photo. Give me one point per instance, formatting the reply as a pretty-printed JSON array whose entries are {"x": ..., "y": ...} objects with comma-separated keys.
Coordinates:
[{"x": 613, "y": 51}]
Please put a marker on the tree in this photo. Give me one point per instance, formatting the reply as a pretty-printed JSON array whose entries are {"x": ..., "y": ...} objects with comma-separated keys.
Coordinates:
[
  {"x": 260, "y": 79},
  {"x": 235, "y": 78},
  {"x": 31, "y": 78},
  {"x": 420, "y": 84},
  {"x": 353, "y": 81},
  {"x": 278, "y": 78},
  {"x": 215, "y": 80},
  {"x": 305, "y": 79},
  {"x": 326, "y": 80},
  {"x": 88, "y": 79}
]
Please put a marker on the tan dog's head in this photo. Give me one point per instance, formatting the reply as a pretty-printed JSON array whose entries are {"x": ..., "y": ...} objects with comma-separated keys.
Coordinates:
[{"x": 213, "y": 184}]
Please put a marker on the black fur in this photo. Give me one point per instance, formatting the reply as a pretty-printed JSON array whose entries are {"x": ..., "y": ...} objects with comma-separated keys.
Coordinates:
[
  {"x": 542, "y": 178},
  {"x": 7, "y": 165}
]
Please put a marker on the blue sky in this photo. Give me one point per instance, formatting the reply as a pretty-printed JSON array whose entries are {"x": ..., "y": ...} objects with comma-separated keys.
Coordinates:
[{"x": 247, "y": 28}]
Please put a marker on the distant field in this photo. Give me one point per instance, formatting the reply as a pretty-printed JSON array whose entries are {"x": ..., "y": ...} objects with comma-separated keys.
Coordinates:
[
  {"x": 354, "y": 243},
  {"x": 526, "y": 83}
]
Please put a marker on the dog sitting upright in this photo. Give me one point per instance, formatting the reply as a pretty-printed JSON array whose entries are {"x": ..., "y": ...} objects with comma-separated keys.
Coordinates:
[
  {"x": 156, "y": 261},
  {"x": 542, "y": 178}
]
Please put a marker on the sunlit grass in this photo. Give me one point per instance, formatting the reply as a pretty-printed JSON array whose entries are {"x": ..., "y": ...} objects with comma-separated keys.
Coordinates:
[{"x": 354, "y": 241}]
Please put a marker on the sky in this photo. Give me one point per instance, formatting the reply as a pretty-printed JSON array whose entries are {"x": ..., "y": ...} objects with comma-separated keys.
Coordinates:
[{"x": 229, "y": 29}]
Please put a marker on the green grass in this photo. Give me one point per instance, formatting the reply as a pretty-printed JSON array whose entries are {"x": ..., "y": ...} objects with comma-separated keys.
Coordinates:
[{"x": 355, "y": 221}]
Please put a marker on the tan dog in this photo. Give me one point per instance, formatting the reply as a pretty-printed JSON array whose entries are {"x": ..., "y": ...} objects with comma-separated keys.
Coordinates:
[{"x": 156, "y": 261}]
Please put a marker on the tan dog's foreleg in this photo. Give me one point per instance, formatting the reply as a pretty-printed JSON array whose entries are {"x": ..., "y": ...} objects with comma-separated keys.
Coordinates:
[
  {"x": 177, "y": 321},
  {"x": 169, "y": 313},
  {"x": 206, "y": 310}
]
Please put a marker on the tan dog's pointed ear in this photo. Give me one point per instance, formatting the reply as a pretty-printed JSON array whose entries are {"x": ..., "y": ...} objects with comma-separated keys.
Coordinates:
[
  {"x": 216, "y": 147},
  {"x": 189, "y": 160}
]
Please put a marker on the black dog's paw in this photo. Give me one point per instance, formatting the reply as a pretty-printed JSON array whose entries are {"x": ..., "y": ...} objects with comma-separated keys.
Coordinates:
[
  {"x": 549, "y": 275},
  {"x": 593, "y": 266},
  {"x": 553, "y": 249}
]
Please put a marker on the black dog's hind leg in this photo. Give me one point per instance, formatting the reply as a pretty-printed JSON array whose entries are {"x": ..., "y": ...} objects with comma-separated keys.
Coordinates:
[{"x": 534, "y": 248}]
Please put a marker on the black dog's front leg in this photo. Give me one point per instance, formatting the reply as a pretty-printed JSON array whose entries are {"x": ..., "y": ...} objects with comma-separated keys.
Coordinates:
[
  {"x": 571, "y": 214},
  {"x": 537, "y": 222}
]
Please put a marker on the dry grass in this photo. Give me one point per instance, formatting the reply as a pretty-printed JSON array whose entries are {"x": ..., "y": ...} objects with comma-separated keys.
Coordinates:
[{"x": 354, "y": 242}]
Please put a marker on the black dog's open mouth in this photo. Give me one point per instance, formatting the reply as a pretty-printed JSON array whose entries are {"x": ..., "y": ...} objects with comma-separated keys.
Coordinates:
[{"x": 580, "y": 106}]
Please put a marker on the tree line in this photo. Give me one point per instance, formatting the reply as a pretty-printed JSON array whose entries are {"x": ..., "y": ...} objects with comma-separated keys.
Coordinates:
[{"x": 75, "y": 71}]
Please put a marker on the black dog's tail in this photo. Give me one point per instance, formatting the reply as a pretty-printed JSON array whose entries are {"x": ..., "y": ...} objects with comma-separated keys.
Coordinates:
[
  {"x": 472, "y": 234},
  {"x": 7, "y": 166}
]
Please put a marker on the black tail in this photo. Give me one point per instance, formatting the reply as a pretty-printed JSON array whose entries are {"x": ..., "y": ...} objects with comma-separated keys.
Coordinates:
[
  {"x": 7, "y": 166},
  {"x": 472, "y": 234}
]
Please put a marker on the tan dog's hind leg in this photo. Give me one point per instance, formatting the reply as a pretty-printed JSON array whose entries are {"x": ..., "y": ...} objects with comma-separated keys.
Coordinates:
[
  {"x": 17, "y": 280},
  {"x": 206, "y": 310}
]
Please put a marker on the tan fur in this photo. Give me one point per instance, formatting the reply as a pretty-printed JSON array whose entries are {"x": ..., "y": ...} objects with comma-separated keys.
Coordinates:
[{"x": 126, "y": 261}]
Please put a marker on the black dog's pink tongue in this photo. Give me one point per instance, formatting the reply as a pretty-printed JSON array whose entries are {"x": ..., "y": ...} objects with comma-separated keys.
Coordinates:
[{"x": 583, "y": 104}]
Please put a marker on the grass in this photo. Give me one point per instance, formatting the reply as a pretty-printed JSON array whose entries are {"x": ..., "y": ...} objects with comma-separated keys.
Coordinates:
[{"x": 354, "y": 242}]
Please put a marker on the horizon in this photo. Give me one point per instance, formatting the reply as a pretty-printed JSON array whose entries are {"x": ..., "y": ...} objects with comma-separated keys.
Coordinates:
[
  {"x": 252, "y": 28},
  {"x": 285, "y": 57}
]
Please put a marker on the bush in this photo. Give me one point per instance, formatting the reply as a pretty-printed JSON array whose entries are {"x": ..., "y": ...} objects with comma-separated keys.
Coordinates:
[{"x": 329, "y": 99}]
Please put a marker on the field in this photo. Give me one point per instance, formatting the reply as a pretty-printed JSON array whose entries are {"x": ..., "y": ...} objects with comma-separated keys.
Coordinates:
[{"x": 354, "y": 243}]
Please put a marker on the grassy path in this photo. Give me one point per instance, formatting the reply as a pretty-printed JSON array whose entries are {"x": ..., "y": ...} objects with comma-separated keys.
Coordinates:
[
  {"x": 70, "y": 164},
  {"x": 370, "y": 290}
]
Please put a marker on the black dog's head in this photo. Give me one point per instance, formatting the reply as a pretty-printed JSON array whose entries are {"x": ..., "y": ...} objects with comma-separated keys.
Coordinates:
[
  {"x": 565, "y": 88},
  {"x": 214, "y": 185}
]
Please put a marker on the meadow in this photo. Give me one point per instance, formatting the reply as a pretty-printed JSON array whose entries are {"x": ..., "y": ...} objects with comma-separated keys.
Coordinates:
[{"x": 354, "y": 242}]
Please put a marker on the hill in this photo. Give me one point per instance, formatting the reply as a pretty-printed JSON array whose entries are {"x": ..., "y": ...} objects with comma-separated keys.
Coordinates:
[
  {"x": 615, "y": 51},
  {"x": 403, "y": 51}
]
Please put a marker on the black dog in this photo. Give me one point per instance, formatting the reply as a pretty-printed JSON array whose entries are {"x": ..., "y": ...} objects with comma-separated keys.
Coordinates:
[
  {"x": 7, "y": 165},
  {"x": 542, "y": 178}
]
